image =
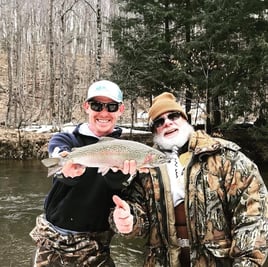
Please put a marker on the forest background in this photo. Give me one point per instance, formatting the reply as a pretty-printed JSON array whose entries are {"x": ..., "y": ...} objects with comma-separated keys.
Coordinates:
[{"x": 213, "y": 55}]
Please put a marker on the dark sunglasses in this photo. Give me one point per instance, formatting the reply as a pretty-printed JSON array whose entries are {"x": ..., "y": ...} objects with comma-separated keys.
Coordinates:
[
  {"x": 99, "y": 106},
  {"x": 160, "y": 121}
]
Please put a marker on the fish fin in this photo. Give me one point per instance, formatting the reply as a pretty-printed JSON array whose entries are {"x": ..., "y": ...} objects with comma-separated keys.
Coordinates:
[
  {"x": 50, "y": 162},
  {"x": 103, "y": 170}
]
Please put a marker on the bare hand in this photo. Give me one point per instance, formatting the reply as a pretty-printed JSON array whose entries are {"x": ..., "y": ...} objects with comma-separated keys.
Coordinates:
[
  {"x": 122, "y": 216},
  {"x": 73, "y": 169},
  {"x": 130, "y": 167}
]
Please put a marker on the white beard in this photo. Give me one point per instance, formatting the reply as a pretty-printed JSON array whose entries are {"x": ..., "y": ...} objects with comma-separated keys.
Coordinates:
[{"x": 178, "y": 140}]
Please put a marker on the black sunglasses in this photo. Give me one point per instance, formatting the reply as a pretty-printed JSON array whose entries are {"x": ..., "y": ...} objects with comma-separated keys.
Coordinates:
[
  {"x": 99, "y": 106},
  {"x": 160, "y": 121}
]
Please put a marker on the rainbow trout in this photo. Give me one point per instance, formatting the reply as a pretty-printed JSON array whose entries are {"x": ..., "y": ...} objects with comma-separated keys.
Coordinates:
[{"x": 108, "y": 153}]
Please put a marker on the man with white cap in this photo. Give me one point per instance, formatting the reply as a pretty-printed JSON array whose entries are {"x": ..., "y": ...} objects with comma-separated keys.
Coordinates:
[
  {"x": 74, "y": 229},
  {"x": 207, "y": 207}
]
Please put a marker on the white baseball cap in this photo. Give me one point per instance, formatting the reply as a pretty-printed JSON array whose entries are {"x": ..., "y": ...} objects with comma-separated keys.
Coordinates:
[{"x": 105, "y": 88}]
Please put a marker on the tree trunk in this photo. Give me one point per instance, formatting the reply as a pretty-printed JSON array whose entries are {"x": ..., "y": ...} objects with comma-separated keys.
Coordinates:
[
  {"x": 10, "y": 84},
  {"x": 52, "y": 115},
  {"x": 216, "y": 111},
  {"x": 99, "y": 41},
  {"x": 188, "y": 93}
]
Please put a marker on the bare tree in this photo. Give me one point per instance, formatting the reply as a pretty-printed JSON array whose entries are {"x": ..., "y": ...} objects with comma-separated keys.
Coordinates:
[
  {"x": 99, "y": 41},
  {"x": 51, "y": 64},
  {"x": 54, "y": 50}
]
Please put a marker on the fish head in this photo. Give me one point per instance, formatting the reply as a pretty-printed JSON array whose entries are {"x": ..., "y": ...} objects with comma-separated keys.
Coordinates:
[{"x": 155, "y": 158}]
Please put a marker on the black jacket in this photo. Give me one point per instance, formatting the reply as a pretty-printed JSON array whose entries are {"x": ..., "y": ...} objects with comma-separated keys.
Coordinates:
[{"x": 83, "y": 203}]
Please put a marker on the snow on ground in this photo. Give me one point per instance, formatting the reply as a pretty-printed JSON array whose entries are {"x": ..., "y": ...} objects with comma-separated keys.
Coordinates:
[{"x": 69, "y": 127}]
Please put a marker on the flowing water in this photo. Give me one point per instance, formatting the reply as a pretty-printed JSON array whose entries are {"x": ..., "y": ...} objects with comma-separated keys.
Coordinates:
[{"x": 23, "y": 187}]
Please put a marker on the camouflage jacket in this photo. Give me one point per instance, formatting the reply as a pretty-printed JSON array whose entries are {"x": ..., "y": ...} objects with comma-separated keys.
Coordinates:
[{"x": 226, "y": 208}]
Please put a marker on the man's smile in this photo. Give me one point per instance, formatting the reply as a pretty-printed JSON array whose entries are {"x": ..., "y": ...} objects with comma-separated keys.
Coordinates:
[
  {"x": 170, "y": 132},
  {"x": 103, "y": 120}
]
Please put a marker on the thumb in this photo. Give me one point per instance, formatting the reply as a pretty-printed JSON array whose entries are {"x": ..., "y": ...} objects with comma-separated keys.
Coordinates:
[
  {"x": 122, "y": 217},
  {"x": 120, "y": 203}
]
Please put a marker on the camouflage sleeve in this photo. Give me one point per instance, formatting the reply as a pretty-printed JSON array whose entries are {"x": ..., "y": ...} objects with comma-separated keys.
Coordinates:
[
  {"x": 135, "y": 196},
  {"x": 247, "y": 197}
]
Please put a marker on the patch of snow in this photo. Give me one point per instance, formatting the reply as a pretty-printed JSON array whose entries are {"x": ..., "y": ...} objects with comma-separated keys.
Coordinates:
[
  {"x": 127, "y": 130},
  {"x": 38, "y": 128},
  {"x": 69, "y": 127}
]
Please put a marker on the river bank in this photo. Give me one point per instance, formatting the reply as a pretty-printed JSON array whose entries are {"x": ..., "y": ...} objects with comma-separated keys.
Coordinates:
[
  {"x": 15, "y": 144},
  {"x": 19, "y": 145}
]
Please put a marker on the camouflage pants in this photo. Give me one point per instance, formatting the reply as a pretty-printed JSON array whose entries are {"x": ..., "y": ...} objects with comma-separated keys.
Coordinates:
[{"x": 72, "y": 250}]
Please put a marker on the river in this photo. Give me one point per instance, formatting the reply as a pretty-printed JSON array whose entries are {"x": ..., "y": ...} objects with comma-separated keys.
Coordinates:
[{"x": 23, "y": 187}]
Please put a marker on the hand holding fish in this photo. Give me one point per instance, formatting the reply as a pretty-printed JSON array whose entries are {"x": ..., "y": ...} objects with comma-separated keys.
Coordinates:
[
  {"x": 109, "y": 153},
  {"x": 72, "y": 170},
  {"x": 130, "y": 167},
  {"x": 122, "y": 216}
]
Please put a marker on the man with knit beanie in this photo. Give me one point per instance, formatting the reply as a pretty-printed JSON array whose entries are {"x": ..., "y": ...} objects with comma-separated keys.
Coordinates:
[{"x": 207, "y": 207}]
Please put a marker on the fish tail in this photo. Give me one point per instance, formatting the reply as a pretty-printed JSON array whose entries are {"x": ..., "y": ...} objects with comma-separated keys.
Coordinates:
[
  {"x": 53, "y": 170},
  {"x": 50, "y": 162},
  {"x": 53, "y": 165}
]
